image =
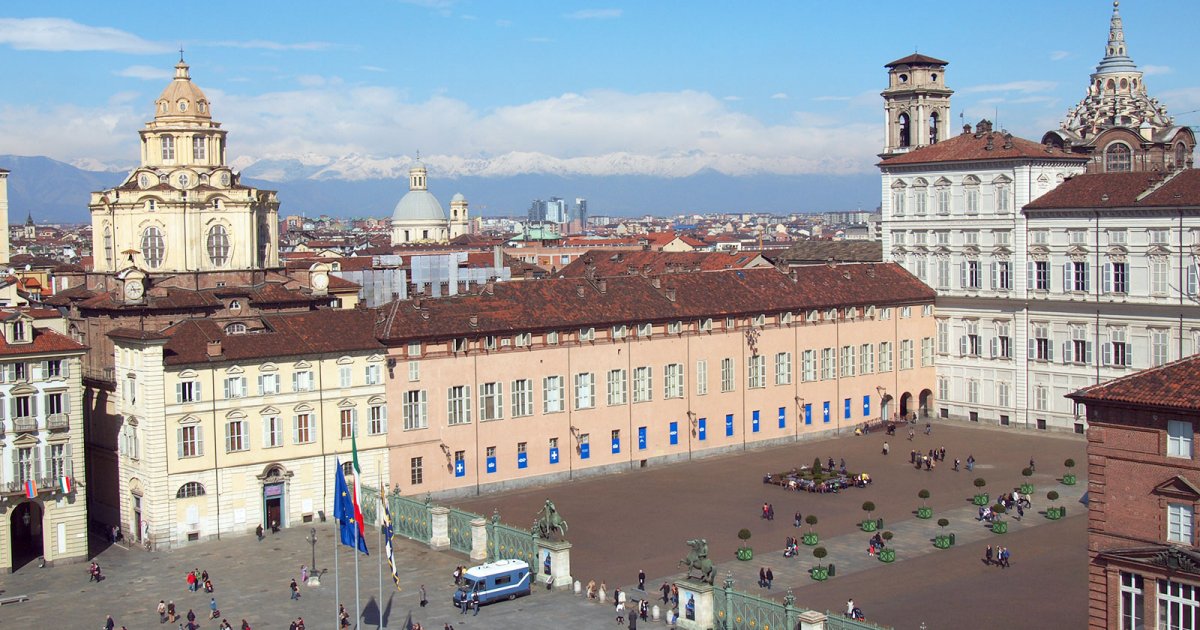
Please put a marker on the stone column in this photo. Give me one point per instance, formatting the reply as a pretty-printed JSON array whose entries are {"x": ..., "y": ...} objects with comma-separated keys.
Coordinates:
[
  {"x": 440, "y": 523},
  {"x": 812, "y": 620},
  {"x": 702, "y": 609},
  {"x": 479, "y": 540},
  {"x": 559, "y": 553}
]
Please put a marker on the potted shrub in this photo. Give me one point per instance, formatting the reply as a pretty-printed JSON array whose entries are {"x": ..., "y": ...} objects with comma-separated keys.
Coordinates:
[
  {"x": 924, "y": 511},
  {"x": 810, "y": 537},
  {"x": 981, "y": 497},
  {"x": 1026, "y": 487},
  {"x": 942, "y": 540},
  {"x": 744, "y": 552},
  {"x": 998, "y": 526},
  {"x": 868, "y": 525},
  {"x": 1053, "y": 512},
  {"x": 1069, "y": 478},
  {"x": 819, "y": 572},
  {"x": 887, "y": 554}
]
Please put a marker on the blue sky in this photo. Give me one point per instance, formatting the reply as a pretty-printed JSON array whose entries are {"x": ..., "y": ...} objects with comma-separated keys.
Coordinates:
[{"x": 594, "y": 88}]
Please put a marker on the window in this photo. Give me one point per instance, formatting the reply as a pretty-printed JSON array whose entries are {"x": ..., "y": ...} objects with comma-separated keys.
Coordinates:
[
  {"x": 1117, "y": 158},
  {"x": 587, "y": 334},
  {"x": 727, "y": 375},
  {"x": 1179, "y": 438},
  {"x": 973, "y": 391},
  {"x": 414, "y": 371},
  {"x": 491, "y": 401},
  {"x": 1002, "y": 198},
  {"x": 235, "y": 387},
  {"x": 926, "y": 351},
  {"x": 272, "y": 431},
  {"x": 943, "y": 385},
  {"x": 808, "y": 365},
  {"x": 756, "y": 372},
  {"x": 524, "y": 340},
  {"x": 1002, "y": 344},
  {"x": 585, "y": 390},
  {"x": 943, "y": 336},
  {"x": 304, "y": 428},
  {"x": 906, "y": 354},
  {"x": 187, "y": 391},
  {"x": 1002, "y": 237},
  {"x": 413, "y": 349},
  {"x": 673, "y": 380},
  {"x": 552, "y": 394},
  {"x": 1159, "y": 236},
  {"x": 619, "y": 332},
  {"x": 969, "y": 274},
  {"x": 416, "y": 470},
  {"x": 898, "y": 202},
  {"x": 730, "y": 324},
  {"x": 53, "y": 369},
  {"x": 1002, "y": 394},
  {"x": 943, "y": 272},
  {"x": 54, "y": 403},
  {"x": 60, "y": 460},
  {"x": 644, "y": 330},
  {"x": 828, "y": 364},
  {"x": 198, "y": 146},
  {"x": 886, "y": 313},
  {"x": 1116, "y": 352},
  {"x": 414, "y": 408},
  {"x": 970, "y": 237},
  {"x": 153, "y": 247},
  {"x": 552, "y": 338},
  {"x": 377, "y": 419},
  {"x": 706, "y": 324},
  {"x": 190, "y": 490},
  {"x": 1041, "y": 275},
  {"x": 218, "y": 245},
  {"x": 168, "y": 147},
  {"x": 1077, "y": 237},
  {"x": 642, "y": 382},
  {"x": 374, "y": 375},
  {"x": 1158, "y": 275},
  {"x": 1159, "y": 347},
  {"x": 866, "y": 358},
  {"x": 459, "y": 345},
  {"x": 1117, "y": 237},
  {"x": 108, "y": 247},
  {"x": 618, "y": 384},
  {"x": 522, "y": 398},
  {"x": 458, "y": 404},
  {"x": 1132, "y": 601},
  {"x": 969, "y": 344},
  {"x": 302, "y": 381},
  {"x": 905, "y": 312},
  {"x": 1078, "y": 349},
  {"x": 897, "y": 237},
  {"x": 1041, "y": 397},
  {"x": 943, "y": 200},
  {"x": 1179, "y": 523},
  {"x": 1039, "y": 237},
  {"x": 1178, "y": 605},
  {"x": 235, "y": 436},
  {"x": 848, "y": 361},
  {"x": 235, "y": 328},
  {"x": 1002, "y": 275},
  {"x": 783, "y": 368},
  {"x": 885, "y": 356},
  {"x": 701, "y": 377},
  {"x": 1076, "y": 276},
  {"x": 1116, "y": 277},
  {"x": 190, "y": 441},
  {"x": 972, "y": 193},
  {"x": 1040, "y": 348},
  {"x": 268, "y": 384}
]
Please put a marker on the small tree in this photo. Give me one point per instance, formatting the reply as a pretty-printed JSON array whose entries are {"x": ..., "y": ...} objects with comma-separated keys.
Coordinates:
[
  {"x": 888, "y": 536},
  {"x": 816, "y": 467},
  {"x": 811, "y": 519},
  {"x": 1070, "y": 463},
  {"x": 744, "y": 535},
  {"x": 868, "y": 507},
  {"x": 998, "y": 510},
  {"x": 1027, "y": 472},
  {"x": 923, "y": 494},
  {"x": 942, "y": 522},
  {"x": 980, "y": 483},
  {"x": 819, "y": 553},
  {"x": 1052, "y": 496}
]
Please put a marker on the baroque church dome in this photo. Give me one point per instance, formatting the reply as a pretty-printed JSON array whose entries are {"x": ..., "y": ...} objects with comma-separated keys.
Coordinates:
[
  {"x": 418, "y": 204},
  {"x": 182, "y": 98}
]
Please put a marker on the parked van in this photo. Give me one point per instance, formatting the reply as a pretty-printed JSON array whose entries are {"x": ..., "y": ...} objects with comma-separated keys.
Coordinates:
[{"x": 502, "y": 579}]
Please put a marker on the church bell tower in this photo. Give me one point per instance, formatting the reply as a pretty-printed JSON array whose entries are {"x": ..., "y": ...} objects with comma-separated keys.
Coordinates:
[{"x": 916, "y": 104}]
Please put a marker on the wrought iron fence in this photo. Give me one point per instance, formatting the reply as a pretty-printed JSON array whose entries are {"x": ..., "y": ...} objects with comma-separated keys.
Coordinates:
[
  {"x": 410, "y": 518},
  {"x": 735, "y": 610},
  {"x": 459, "y": 528},
  {"x": 369, "y": 503},
  {"x": 838, "y": 621},
  {"x": 508, "y": 542}
]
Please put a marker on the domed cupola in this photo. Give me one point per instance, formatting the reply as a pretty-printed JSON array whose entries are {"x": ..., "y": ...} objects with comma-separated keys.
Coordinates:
[
  {"x": 418, "y": 204},
  {"x": 181, "y": 99}
]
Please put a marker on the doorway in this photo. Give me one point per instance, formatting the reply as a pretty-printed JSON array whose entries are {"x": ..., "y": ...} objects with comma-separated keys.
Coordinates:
[
  {"x": 273, "y": 506},
  {"x": 137, "y": 518},
  {"x": 905, "y": 405},
  {"x": 26, "y": 534},
  {"x": 926, "y": 402}
]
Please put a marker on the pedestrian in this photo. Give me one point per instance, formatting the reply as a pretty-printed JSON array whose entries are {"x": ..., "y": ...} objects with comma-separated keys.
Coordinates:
[
  {"x": 928, "y": 428},
  {"x": 770, "y": 512},
  {"x": 1031, "y": 466},
  {"x": 620, "y": 607},
  {"x": 796, "y": 520},
  {"x": 956, "y": 464},
  {"x": 988, "y": 556},
  {"x": 912, "y": 456},
  {"x": 970, "y": 463},
  {"x": 475, "y": 603},
  {"x": 258, "y": 531},
  {"x": 1020, "y": 512},
  {"x": 295, "y": 589},
  {"x": 109, "y": 624},
  {"x": 464, "y": 601},
  {"x": 885, "y": 448},
  {"x": 424, "y": 599},
  {"x": 762, "y": 577},
  {"x": 633, "y": 619},
  {"x": 911, "y": 434},
  {"x": 850, "y": 607},
  {"x": 304, "y": 574},
  {"x": 641, "y": 580},
  {"x": 643, "y": 609},
  {"x": 162, "y": 611},
  {"x": 191, "y": 581},
  {"x": 666, "y": 589},
  {"x": 191, "y": 616},
  {"x": 770, "y": 578},
  {"x": 171, "y": 616},
  {"x": 1004, "y": 557},
  {"x": 245, "y": 625},
  {"x": 212, "y": 607}
]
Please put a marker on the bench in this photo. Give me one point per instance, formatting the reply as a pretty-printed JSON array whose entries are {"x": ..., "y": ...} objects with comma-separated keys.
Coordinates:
[{"x": 15, "y": 599}]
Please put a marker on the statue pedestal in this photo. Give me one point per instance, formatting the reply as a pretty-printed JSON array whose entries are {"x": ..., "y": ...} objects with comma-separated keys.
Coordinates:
[
  {"x": 478, "y": 540},
  {"x": 695, "y": 605},
  {"x": 439, "y": 538},
  {"x": 812, "y": 620},
  {"x": 559, "y": 553}
]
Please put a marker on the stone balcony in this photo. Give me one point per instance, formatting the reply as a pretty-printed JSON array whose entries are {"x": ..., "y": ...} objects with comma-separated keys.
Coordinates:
[
  {"x": 58, "y": 422},
  {"x": 25, "y": 424}
]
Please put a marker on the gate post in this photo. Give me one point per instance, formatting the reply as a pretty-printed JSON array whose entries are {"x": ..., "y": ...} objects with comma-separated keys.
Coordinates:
[
  {"x": 557, "y": 556},
  {"x": 789, "y": 609},
  {"x": 439, "y": 520},
  {"x": 695, "y": 605},
  {"x": 812, "y": 620},
  {"x": 479, "y": 540}
]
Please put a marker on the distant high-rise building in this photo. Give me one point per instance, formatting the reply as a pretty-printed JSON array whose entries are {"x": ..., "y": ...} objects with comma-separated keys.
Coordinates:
[
  {"x": 581, "y": 211},
  {"x": 537, "y": 211},
  {"x": 556, "y": 210}
]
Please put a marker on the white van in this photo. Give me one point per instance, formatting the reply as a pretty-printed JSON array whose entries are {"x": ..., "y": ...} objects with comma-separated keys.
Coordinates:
[{"x": 502, "y": 579}]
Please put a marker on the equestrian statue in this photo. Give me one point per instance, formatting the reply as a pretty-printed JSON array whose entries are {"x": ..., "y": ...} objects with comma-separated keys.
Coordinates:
[
  {"x": 548, "y": 521},
  {"x": 697, "y": 560}
]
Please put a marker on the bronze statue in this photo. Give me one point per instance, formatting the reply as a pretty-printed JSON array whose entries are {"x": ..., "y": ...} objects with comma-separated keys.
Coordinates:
[
  {"x": 697, "y": 560},
  {"x": 548, "y": 521}
]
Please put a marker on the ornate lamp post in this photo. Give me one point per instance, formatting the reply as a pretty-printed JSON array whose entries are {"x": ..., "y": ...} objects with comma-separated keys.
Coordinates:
[{"x": 312, "y": 540}]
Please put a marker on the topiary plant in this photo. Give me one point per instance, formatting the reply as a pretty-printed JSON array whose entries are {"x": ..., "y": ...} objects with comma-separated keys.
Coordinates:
[
  {"x": 888, "y": 536},
  {"x": 744, "y": 535},
  {"x": 816, "y": 467},
  {"x": 1070, "y": 463},
  {"x": 819, "y": 553},
  {"x": 998, "y": 510},
  {"x": 942, "y": 522},
  {"x": 923, "y": 495},
  {"x": 980, "y": 483},
  {"x": 868, "y": 507},
  {"x": 811, "y": 519},
  {"x": 1027, "y": 472},
  {"x": 1052, "y": 495}
]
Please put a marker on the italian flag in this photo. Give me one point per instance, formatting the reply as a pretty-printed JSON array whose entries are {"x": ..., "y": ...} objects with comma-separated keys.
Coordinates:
[
  {"x": 65, "y": 484},
  {"x": 358, "y": 516}
]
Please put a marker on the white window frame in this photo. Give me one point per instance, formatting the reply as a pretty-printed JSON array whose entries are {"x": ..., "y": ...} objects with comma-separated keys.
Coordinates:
[
  {"x": 458, "y": 405},
  {"x": 783, "y": 368},
  {"x": 1180, "y": 523},
  {"x": 728, "y": 381},
  {"x": 1179, "y": 438},
  {"x": 585, "y": 390},
  {"x": 618, "y": 387},
  {"x": 552, "y": 394},
  {"x": 702, "y": 377},
  {"x": 756, "y": 372},
  {"x": 491, "y": 401},
  {"x": 643, "y": 384},
  {"x": 415, "y": 408},
  {"x": 522, "y": 398},
  {"x": 673, "y": 375}
]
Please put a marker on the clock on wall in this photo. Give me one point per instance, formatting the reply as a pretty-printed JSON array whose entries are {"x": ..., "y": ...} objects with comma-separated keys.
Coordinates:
[{"x": 134, "y": 289}]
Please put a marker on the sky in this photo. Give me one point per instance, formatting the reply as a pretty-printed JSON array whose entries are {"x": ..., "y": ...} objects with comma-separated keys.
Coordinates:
[{"x": 779, "y": 87}]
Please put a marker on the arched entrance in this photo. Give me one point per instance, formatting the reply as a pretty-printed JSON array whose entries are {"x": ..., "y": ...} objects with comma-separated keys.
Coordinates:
[
  {"x": 905, "y": 405},
  {"x": 25, "y": 527},
  {"x": 925, "y": 401},
  {"x": 885, "y": 408},
  {"x": 274, "y": 480}
]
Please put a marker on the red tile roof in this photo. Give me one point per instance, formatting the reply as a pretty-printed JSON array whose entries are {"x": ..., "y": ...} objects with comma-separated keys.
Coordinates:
[
  {"x": 1122, "y": 190},
  {"x": 916, "y": 58},
  {"x": 1174, "y": 385},
  {"x": 45, "y": 341},
  {"x": 970, "y": 147},
  {"x": 623, "y": 263}
]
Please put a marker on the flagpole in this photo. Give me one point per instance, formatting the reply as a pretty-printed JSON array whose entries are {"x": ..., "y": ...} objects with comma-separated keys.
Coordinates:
[
  {"x": 337, "y": 584},
  {"x": 379, "y": 526},
  {"x": 357, "y": 601}
]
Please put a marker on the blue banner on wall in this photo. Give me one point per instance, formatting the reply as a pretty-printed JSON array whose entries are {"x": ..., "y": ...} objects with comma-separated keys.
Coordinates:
[
  {"x": 754, "y": 421},
  {"x": 846, "y": 411},
  {"x": 673, "y": 433},
  {"x": 641, "y": 438},
  {"x": 554, "y": 455},
  {"x": 522, "y": 460},
  {"x": 867, "y": 405},
  {"x": 491, "y": 464},
  {"x": 702, "y": 429},
  {"x": 616, "y": 445},
  {"x": 826, "y": 411},
  {"x": 783, "y": 417},
  {"x": 728, "y": 425},
  {"x": 585, "y": 450},
  {"x": 460, "y": 468},
  {"x": 808, "y": 413}
]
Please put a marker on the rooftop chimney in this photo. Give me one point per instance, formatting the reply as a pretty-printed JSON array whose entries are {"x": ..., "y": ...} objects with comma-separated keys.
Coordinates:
[
  {"x": 214, "y": 349},
  {"x": 602, "y": 285},
  {"x": 474, "y": 320},
  {"x": 671, "y": 293}
]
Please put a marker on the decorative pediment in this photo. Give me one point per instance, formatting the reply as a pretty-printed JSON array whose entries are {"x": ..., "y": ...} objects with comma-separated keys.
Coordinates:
[
  {"x": 189, "y": 420},
  {"x": 1158, "y": 250},
  {"x": 188, "y": 374},
  {"x": 235, "y": 369},
  {"x": 275, "y": 473},
  {"x": 303, "y": 407},
  {"x": 236, "y": 414},
  {"x": 268, "y": 367},
  {"x": 1117, "y": 253},
  {"x": 24, "y": 389},
  {"x": 1002, "y": 252},
  {"x": 941, "y": 251},
  {"x": 375, "y": 358},
  {"x": 1177, "y": 487},
  {"x": 1077, "y": 253},
  {"x": 25, "y": 440},
  {"x": 899, "y": 250},
  {"x": 302, "y": 365},
  {"x": 269, "y": 411},
  {"x": 376, "y": 400},
  {"x": 346, "y": 403},
  {"x": 1172, "y": 558},
  {"x": 345, "y": 360},
  {"x": 971, "y": 251},
  {"x": 920, "y": 249},
  {"x": 1039, "y": 252}
]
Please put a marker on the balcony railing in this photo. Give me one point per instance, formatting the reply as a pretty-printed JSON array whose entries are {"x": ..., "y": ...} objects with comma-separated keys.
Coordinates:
[
  {"x": 58, "y": 421},
  {"x": 25, "y": 425}
]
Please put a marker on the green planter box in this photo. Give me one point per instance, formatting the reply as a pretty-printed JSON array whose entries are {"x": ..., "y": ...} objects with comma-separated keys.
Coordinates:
[
  {"x": 745, "y": 553},
  {"x": 1068, "y": 479},
  {"x": 980, "y": 499},
  {"x": 1027, "y": 488},
  {"x": 1000, "y": 527},
  {"x": 941, "y": 541},
  {"x": 810, "y": 539},
  {"x": 886, "y": 555},
  {"x": 1056, "y": 513},
  {"x": 924, "y": 512},
  {"x": 819, "y": 574},
  {"x": 869, "y": 525}
]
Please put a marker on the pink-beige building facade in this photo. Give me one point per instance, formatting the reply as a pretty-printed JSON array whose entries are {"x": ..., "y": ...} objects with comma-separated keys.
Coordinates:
[{"x": 530, "y": 382}]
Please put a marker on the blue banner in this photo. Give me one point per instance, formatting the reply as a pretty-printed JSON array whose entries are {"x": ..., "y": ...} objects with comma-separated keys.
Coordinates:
[
  {"x": 585, "y": 450},
  {"x": 522, "y": 460},
  {"x": 808, "y": 413},
  {"x": 728, "y": 425},
  {"x": 554, "y": 455},
  {"x": 867, "y": 405},
  {"x": 616, "y": 445},
  {"x": 783, "y": 417},
  {"x": 460, "y": 468},
  {"x": 343, "y": 511},
  {"x": 673, "y": 433},
  {"x": 846, "y": 412},
  {"x": 491, "y": 464},
  {"x": 641, "y": 438},
  {"x": 826, "y": 412},
  {"x": 754, "y": 421},
  {"x": 702, "y": 430}
]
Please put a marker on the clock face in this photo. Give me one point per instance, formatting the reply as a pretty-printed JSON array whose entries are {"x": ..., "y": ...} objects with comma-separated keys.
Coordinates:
[
  {"x": 320, "y": 281},
  {"x": 134, "y": 289}
]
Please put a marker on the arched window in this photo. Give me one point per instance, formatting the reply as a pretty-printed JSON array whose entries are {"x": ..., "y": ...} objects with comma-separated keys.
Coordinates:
[
  {"x": 1181, "y": 154},
  {"x": 218, "y": 245},
  {"x": 236, "y": 328},
  {"x": 1117, "y": 158},
  {"x": 189, "y": 490},
  {"x": 902, "y": 122},
  {"x": 153, "y": 247},
  {"x": 933, "y": 128},
  {"x": 108, "y": 245}
]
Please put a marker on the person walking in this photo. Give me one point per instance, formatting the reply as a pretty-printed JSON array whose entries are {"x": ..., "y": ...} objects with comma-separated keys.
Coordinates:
[
  {"x": 191, "y": 616},
  {"x": 258, "y": 531},
  {"x": 304, "y": 574},
  {"x": 162, "y": 611},
  {"x": 424, "y": 599},
  {"x": 109, "y": 624},
  {"x": 641, "y": 580},
  {"x": 171, "y": 616},
  {"x": 797, "y": 519},
  {"x": 886, "y": 448},
  {"x": 762, "y": 577},
  {"x": 987, "y": 558},
  {"x": 850, "y": 607},
  {"x": 212, "y": 608},
  {"x": 770, "y": 578},
  {"x": 294, "y": 589},
  {"x": 666, "y": 588},
  {"x": 1004, "y": 558},
  {"x": 475, "y": 604},
  {"x": 1032, "y": 468}
]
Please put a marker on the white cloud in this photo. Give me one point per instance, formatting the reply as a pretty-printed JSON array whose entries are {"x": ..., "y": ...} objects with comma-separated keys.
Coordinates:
[
  {"x": 1152, "y": 69},
  {"x": 57, "y": 34},
  {"x": 372, "y": 68},
  {"x": 831, "y": 98},
  {"x": 779, "y": 96},
  {"x": 146, "y": 73},
  {"x": 263, "y": 44},
  {"x": 1059, "y": 55},
  {"x": 594, "y": 14},
  {"x": 539, "y": 40},
  {"x": 733, "y": 99},
  {"x": 1013, "y": 86}
]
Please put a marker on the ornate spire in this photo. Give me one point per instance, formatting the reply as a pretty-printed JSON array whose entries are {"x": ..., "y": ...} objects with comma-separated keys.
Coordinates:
[{"x": 1116, "y": 57}]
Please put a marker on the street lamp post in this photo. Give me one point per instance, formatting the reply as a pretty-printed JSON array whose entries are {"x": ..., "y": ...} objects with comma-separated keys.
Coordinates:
[{"x": 312, "y": 540}]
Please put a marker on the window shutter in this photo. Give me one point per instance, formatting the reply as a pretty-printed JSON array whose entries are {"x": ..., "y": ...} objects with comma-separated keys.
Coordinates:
[
  {"x": 994, "y": 342},
  {"x": 1106, "y": 353},
  {"x": 178, "y": 392},
  {"x": 261, "y": 388},
  {"x": 1192, "y": 279},
  {"x": 1032, "y": 354},
  {"x": 1050, "y": 350},
  {"x": 44, "y": 366},
  {"x": 33, "y": 405},
  {"x": 196, "y": 391},
  {"x": 962, "y": 345},
  {"x": 266, "y": 433},
  {"x": 994, "y": 272},
  {"x": 179, "y": 441},
  {"x": 1067, "y": 349},
  {"x": 1087, "y": 276},
  {"x": 1087, "y": 357},
  {"x": 295, "y": 429},
  {"x": 295, "y": 381},
  {"x": 1029, "y": 279},
  {"x": 66, "y": 403},
  {"x": 1107, "y": 278},
  {"x": 962, "y": 275},
  {"x": 228, "y": 388},
  {"x": 199, "y": 439},
  {"x": 1066, "y": 277}
]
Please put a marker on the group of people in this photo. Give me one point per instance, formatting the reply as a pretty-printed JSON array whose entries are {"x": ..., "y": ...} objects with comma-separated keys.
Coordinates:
[
  {"x": 997, "y": 556},
  {"x": 768, "y": 511},
  {"x": 198, "y": 579},
  {"x": 639, "y": 609},
  {"x": 765, "y": 577},
  {"x": 791, "y": 546},
  {"x": 94, "y": 573},
  {"x": 930, "y": 459}
]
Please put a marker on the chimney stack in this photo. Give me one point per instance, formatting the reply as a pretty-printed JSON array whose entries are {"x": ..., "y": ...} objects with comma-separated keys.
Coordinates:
[
  {"x": 474, "y": 320},
  {"x": 602, "y": 285},
  {"x": 214, "y": 349}
]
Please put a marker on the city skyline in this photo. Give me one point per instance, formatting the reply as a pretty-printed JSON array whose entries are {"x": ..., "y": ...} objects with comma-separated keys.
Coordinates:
[{"x": 579, "y": 89}]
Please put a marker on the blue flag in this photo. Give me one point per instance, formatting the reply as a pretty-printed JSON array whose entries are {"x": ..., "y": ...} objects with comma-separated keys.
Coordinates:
[{"x": 343, "y": 511}]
